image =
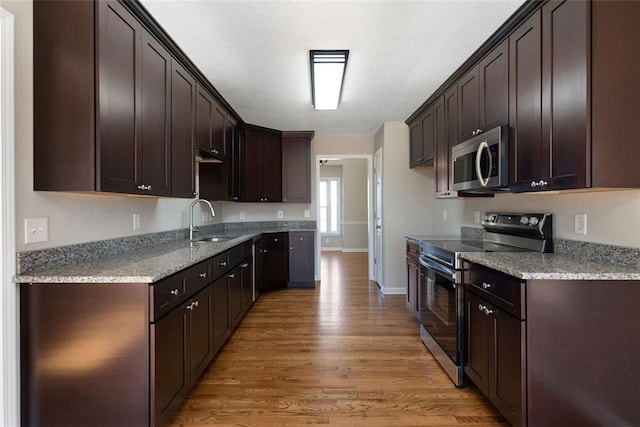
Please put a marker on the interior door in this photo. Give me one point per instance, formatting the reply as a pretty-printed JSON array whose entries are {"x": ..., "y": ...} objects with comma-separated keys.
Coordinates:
[{"x": 377, "y": 213}]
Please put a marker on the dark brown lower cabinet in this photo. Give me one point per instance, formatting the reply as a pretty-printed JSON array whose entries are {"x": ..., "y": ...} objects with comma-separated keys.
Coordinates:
[
  {"x": 301, "y": 259},
  {"x": 246, "y": 272},
  {"x": 221, "y": 327},
  {"x": 272, "y": 262},
  {"x": 413, "y": 276},
  {"x": 495, "y": 356},
  {"x": 235, "y": 295}
]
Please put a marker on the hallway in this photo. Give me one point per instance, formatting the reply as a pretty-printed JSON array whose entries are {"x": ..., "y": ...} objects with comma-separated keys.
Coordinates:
[{"x": 341, "y": 355}]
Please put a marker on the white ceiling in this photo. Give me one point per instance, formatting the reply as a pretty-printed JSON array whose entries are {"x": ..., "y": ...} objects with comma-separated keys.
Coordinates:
[{"x": 256, "y": 53}]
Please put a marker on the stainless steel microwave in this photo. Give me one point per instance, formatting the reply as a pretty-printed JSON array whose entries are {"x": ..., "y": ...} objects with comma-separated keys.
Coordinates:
[{"x": 480, "y": 164}]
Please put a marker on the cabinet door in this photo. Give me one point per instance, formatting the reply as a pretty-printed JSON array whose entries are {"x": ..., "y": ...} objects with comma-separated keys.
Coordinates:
[
  {"x": 296, "y": 169},
  {"x": 271, "y": 160},
  {"x": 119, "y": 90},
  {"x": 443, "y": 176},
  {"x": 201, "y": 332},
  {"x": 442, "y": 148},
  {"x": 468, "y": 105},
  {"x": 251, "y": 182},
  {"x": 415, "y": 143},
  {"x": 479, "y": 333},
  {"x": 413, "y": 275},
  {"x": 204, "y": 115},
  {"x": 428, "y": 135},
  {"x": 235, "y": 296},
  {"x": 183, "y": 89},
  {"x": 219, "y": 131},
  {"x": 156, "y": 118},
  {"x": 507, "y": 383},
  {"x": 221, "y": 325},
  {"x": 301, "y": 259},
  {"x": 246, "y": 270},
  {"x": 233, "y": 160},
  {"x": 493, "y": 77},
  {"x": 525, "y": 104},
  {"x": 274, "y": 268},
  {"x": 565, "y": 49},
  {"x": 169, "y": 376}
]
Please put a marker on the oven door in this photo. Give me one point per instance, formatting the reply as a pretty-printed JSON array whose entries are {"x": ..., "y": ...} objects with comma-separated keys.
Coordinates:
[{"x": 440, "y": 307}]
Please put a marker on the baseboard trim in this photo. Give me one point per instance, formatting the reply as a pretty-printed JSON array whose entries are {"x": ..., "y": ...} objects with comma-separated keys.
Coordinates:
[
  {"x": 389, "y": 290},
  {"x": 331, "y": 249},
  {"x": 356, "y": 250}
]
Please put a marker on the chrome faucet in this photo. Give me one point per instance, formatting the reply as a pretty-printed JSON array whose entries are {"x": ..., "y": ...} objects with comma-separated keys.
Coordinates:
[{"x": 193, "y": 228}]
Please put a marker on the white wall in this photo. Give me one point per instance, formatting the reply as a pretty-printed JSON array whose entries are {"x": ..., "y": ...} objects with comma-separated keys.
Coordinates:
[
  {"x": 407, "y": 202},
  {"x": 73, "y": 218},
  {"x": 354, "y": 205}
]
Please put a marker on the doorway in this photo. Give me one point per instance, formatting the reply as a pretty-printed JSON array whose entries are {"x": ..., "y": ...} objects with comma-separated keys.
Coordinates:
[{"x": 352, "y": 176}]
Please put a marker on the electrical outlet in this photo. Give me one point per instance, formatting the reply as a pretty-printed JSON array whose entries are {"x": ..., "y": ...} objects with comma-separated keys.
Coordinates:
[
  {"x": 280, "y": 214},
  {"x": 136, "y": 221},
  {"x": 580, "y": 223},
  {"x": 306, "y": 213},
  {"x": 242, "y": 215},
  {"x": 36, "y": 230},
  {"x": 444, "y": 214},
  {"x": 476, "y": 217}
]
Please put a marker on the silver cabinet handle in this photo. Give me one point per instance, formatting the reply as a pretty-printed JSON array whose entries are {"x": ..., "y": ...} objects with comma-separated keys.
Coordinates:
[
  {"x": 223, "y": 264},
  {"x": 540, "y": 183},
  {"x": 202, "y": 275},
  {"x": 486, "y": 285},
  {"x": 231, "y": 276},
  {"x": 174, "y": 292},
  {"x": 485, "y": 309},
  {"x": 483, "y": 181},
  {"x": 193, "y": 305},
  {"x": 245, "y": 265},
  {"x": 144, "y": 187}
]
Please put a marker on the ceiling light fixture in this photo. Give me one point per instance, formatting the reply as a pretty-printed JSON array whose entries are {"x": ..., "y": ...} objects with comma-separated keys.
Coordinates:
[{"x": 327, "y": 75}]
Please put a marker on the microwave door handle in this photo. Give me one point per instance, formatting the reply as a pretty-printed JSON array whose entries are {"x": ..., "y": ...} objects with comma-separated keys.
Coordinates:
[{"x": 483, "y": 181}]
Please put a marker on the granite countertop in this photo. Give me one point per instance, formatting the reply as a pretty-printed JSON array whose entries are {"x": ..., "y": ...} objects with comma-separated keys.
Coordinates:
[{"x": 546, "y": 266}]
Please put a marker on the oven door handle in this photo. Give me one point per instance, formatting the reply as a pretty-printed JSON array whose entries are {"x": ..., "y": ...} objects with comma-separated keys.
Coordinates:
[
  {"x": 483, "y": 181},
  {"x": 446, "y": 271}
]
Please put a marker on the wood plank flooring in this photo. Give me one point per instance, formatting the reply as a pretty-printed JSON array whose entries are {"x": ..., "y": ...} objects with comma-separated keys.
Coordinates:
[{"x": 340, "y": 355}]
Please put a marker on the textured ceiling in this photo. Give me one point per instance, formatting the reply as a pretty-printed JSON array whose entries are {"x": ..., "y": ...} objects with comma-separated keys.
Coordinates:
[{"x": 256, "y": 53}]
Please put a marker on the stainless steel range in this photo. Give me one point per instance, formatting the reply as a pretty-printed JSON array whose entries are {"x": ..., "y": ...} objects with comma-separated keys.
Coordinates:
[{"x": 440, "y": 296}]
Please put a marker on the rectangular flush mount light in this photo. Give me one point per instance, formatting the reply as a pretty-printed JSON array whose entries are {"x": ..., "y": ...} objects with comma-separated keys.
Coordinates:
[{"x": 327, "y": 76}]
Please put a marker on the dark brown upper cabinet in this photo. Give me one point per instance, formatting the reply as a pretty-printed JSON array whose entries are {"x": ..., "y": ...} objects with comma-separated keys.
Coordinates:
[
  {"x": 443, "y": 149},
  {"x": 261, "y": 165},
  {"x": 573, "y": 107},
  {"x": 219, "y": 136},
  {"x": 483, "y": 94},
  {"x": 422, "y": 140},
  {"x": 296, "y": 167},
  {"x": 183, "y": 105},
  {"x": 204, "y": 119}
]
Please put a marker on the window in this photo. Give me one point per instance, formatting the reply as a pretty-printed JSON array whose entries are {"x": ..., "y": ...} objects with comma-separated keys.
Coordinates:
[{"x": 330, "y": 206}]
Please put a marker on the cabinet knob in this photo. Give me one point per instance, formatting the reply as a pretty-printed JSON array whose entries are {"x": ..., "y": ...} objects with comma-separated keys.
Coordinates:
[
  {"x": 284, "y": 200},
  {"x": 486, "y": 285},
  {"x": 231, "y": 276},
  {"x": 223, "y": 263},
  {"x": 202, "y": 275},
  {"x": 290, "y": 248},
  {"x": 486, "y": 310},
  {"x": 174, "y": 292},
  {"x": 275, "y": 240},
  {"x": 245, "y": 265},
  {"x": 264, "y": 251}
]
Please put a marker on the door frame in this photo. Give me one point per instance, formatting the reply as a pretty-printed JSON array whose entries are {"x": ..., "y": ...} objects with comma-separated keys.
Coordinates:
[
  {"x": 370, "y": 225},
  {"x": 9, "y": 348}
]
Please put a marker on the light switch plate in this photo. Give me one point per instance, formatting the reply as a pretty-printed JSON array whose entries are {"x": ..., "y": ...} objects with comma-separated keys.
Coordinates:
[
  {"x": 136, "y": 221},
  {"x": 242, "y": 215},
  {"x": 280, "y": 214},
  {"x": 36, "y": 230},
  {"x": 306, "y": 213},
  {"x": 476, "y": 217}
]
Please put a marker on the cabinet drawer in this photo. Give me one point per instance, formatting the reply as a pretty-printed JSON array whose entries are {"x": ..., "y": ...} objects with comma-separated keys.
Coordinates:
[
  {"x": 235, "y": 256},
  {"x": 274, "y": 240},
  {"x": 301, "y": 239},
  {"x": 501, "y": 289},
  {"x": 198, "y": 276},
  {"x": 413, "y": 250},
  {"x": 220, "y": 264},
  {"x": 166, "y": 294}
]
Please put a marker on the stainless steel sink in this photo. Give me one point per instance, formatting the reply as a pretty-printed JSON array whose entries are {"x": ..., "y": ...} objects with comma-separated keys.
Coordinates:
[{"x": 214, "y": 239}]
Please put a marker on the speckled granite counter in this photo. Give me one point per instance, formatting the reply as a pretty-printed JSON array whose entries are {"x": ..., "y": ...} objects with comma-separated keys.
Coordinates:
[
  {"x": 537, "y": 266},
  {"x": 145, "y": 263}
]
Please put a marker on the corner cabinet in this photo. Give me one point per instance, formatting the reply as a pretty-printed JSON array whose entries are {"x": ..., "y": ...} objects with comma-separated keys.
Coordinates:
[
  {"x": 115, "y": 99},
  {"x": 421, "y": 143},
  {"x": 572, "y": 97},
  {"x": 261, "y": 166}
]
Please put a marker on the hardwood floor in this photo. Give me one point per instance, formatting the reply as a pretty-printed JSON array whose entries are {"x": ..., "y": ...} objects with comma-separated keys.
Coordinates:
[{"x": 341, "y": 355}]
